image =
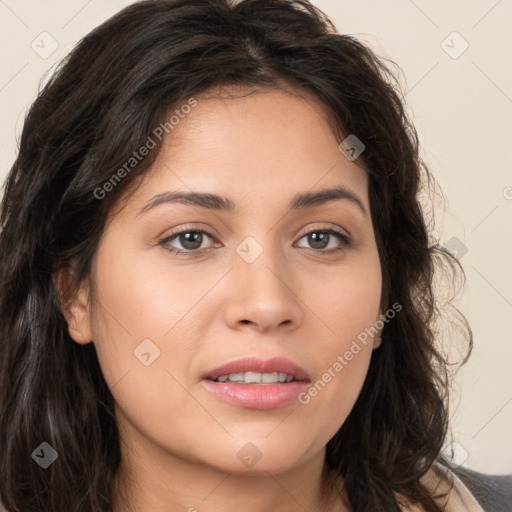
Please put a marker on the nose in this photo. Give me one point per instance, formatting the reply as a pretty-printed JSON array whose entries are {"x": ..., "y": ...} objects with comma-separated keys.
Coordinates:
[{"x": 263, "y": 294}]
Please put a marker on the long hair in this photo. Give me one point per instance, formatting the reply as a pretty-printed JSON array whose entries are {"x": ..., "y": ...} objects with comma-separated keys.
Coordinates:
[{"x": 98, "y": 108}]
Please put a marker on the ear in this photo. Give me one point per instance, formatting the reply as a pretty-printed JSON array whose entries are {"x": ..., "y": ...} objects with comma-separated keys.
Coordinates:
[
  {"x": 75, "y": 305},
  {"x": 377, "y": 339}
]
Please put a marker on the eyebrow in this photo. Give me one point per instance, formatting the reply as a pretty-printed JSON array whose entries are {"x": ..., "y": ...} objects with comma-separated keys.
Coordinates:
[{"x": 219, "y": 203}]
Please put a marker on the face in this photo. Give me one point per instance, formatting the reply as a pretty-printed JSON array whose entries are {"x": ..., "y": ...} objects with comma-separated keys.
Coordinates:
[{"x": 263, "y": 280}]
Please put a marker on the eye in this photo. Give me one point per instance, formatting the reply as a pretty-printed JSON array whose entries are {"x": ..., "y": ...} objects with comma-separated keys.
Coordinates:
[
  {"x": 191, "y": 240},
  {"x": 320, "y": 239}
]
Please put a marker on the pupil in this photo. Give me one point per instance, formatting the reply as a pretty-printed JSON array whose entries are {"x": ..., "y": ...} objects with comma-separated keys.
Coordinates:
[
  {"x": 313, "y": 239},
  {"x": 187, "y": 236}
]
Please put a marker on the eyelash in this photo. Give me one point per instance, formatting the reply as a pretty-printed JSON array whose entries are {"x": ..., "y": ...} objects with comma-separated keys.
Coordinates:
[{"x": 346, "y": 242}]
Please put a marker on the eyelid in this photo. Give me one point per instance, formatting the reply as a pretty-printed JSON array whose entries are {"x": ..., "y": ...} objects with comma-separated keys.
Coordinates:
[{"x": 326, "y": 226}]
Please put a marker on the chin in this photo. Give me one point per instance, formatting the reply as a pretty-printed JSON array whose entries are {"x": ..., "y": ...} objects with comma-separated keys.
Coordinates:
[{"x": 260, "y": 457}]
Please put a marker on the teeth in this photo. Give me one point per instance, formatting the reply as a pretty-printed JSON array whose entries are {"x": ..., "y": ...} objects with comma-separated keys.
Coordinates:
[
  {"x": 270, "y": 377},
  {"x": 256, "y": 378},
  {"x": 236, "y": 377}
]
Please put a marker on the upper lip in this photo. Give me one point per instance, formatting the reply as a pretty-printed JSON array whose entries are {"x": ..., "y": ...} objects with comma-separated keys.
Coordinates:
[{"x": 255, "y": 364}]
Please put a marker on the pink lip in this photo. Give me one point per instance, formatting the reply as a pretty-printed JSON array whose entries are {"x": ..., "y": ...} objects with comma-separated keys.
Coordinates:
[
  {"x": 254, "y": 364},
  {"x": 257, "y": 396}
]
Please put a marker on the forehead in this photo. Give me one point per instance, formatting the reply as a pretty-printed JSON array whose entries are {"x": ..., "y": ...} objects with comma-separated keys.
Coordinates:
[{"x": 264, "y": 145}]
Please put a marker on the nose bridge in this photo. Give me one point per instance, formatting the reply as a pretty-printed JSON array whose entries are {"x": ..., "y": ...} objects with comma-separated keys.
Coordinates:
[
  {"x": 261, "y": 263},
  {"x": 264, "y": 294}
]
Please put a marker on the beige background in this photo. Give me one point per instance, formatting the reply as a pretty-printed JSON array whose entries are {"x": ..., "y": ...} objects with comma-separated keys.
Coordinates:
[{"x": 461, "y": 103}]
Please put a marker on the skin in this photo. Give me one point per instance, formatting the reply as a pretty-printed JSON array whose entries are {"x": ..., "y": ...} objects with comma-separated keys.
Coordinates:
[{"x": 180, "y": 442}]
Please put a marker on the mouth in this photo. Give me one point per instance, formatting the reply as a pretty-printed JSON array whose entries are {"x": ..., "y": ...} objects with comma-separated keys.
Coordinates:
[
  {"x": 252, "y": 370},
  {"x": 256, "y": 378},
  {"x": 256, "y": 383}
]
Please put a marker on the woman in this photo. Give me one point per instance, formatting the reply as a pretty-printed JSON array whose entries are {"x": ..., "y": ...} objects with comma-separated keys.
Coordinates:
[{"x": 217, "y": 278}]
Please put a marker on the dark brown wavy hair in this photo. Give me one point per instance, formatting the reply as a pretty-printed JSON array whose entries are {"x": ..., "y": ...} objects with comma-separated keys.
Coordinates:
[{"x": 98, "y": 108}]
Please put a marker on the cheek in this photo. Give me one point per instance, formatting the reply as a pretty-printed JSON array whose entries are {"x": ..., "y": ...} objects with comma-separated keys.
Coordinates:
[
  {"x": 347, "y": 310},
  {"x": 125, "y": 313},
  {"x": 143, "y": 326},
  {"x": 344, "y": 362},
  {"x": 139, "y": 301},
  {"x": 140, "y": 334},
  {"x": 142, "y": 300},
  {"x": 347, "y": 305}
]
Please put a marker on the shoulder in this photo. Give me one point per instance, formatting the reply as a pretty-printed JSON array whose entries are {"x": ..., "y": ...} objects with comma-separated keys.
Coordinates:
[
  {"x": 493, "y": 492},
  {"x": 467, "y": 490}
]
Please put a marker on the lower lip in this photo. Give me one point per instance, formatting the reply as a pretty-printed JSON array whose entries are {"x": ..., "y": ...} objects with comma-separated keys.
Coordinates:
[{"x": 256, "y": 396}]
